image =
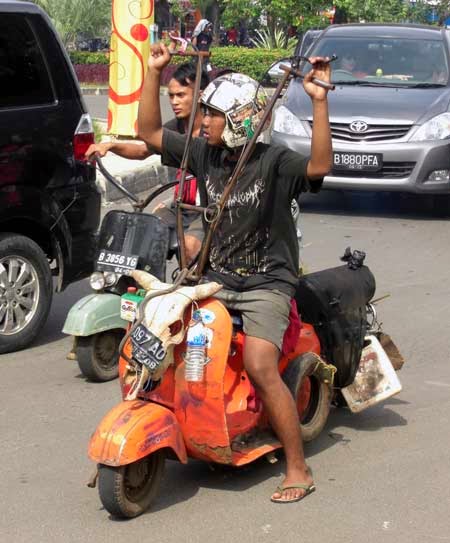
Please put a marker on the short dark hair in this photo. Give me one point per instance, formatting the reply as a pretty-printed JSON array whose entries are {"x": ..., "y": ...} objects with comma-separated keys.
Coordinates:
[{"x": 186, "y": 73}]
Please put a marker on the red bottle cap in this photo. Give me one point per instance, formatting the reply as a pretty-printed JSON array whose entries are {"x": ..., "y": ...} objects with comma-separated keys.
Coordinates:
[{"x": 131, "y": 289}]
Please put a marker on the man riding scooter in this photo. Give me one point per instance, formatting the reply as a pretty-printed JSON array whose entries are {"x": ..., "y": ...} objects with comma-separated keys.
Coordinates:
[{"x": 254, "y": 251}]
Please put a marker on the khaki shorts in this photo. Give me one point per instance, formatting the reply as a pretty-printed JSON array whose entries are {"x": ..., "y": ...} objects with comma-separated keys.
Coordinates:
[{"x": 265, "y": 313}]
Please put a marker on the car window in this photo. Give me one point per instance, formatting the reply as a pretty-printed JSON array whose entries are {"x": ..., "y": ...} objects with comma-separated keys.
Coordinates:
[
  {"x": 403, "y": 62},
  {"x": 306, "y": 42},
  {"x": 24, "y": 79}
]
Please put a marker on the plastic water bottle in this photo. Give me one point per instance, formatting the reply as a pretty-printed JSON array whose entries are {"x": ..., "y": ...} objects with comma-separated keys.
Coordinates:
[{"x": 195, "y": 358}]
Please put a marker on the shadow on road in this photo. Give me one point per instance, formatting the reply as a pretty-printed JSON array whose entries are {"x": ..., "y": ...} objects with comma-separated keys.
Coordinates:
[
  {"x": 374, "y": 204},
  {"x": 375, "y": 419},
  {"x": 61, "y": 304},
  {"x": 182, "y": 482}
]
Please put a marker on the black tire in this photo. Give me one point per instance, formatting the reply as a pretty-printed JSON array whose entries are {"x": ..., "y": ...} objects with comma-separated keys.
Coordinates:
[
  {"x": 128, "y": 491},
  {"x": 316, "y": 413},
  {"x": 98, "y": 355},
  {"x": 32, "y": 297}
]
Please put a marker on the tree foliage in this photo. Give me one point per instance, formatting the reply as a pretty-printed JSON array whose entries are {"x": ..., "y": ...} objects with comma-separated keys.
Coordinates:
[
  {"x": 387, "y": 11},
  {"x": 71, "y": 17}
]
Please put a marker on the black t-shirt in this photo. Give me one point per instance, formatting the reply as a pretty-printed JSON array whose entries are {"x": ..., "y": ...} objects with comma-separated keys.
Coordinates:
[
  {"x": 204, "y": 41},
  {"x": 255, "y": 244},
  {"x": 175, "y": 124}
]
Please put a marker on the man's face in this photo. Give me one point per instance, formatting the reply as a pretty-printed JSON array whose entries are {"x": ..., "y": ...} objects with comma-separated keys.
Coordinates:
[
  {"x": 213, "y": 126},
  {"x": 181, "y": 98}
]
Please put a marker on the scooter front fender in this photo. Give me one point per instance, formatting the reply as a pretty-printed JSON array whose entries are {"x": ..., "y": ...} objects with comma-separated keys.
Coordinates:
[
  {"x": 134, "y": 429},
  {"x": 93, "y": 314}
]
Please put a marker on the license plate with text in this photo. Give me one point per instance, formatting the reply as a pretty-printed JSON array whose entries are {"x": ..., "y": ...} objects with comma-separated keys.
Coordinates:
[
  {"x": 147, "y": 349},
  {"x": 116, "y": 262},
  {"x": 368, "y": 162}
]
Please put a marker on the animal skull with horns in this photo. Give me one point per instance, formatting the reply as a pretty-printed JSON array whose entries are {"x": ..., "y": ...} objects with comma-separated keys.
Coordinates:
[{"x": 163, "y": 316}]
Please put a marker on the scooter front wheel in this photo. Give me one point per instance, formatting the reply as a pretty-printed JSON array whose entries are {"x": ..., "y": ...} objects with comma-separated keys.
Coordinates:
[
  {"x": 98, "y": 355},
  {"x": 128, "y": 491}
]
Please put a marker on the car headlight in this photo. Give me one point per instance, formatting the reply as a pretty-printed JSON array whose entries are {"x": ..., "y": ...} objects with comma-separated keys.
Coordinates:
[
  {"x": 286, "y": 122},
  {"x": 437, "y": 128},
  {"x": 110, "y": 278},
  {"x": 97, "y": 281}
]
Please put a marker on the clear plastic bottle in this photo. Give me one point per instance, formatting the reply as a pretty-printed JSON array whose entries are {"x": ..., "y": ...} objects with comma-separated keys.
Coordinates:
[{"x": 195, "y": 358}]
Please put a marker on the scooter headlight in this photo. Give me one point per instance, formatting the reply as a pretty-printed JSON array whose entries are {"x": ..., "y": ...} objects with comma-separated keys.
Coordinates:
[
  {"x": 110, "y": 278},
  {"x": 97, "y": 281}
]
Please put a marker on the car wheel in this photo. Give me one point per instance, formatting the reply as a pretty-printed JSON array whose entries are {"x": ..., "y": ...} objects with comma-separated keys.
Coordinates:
[{"x": 25, "y": 291}]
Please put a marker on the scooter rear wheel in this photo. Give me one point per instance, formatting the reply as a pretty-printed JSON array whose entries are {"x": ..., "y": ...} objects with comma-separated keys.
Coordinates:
[
  {"x": 128, "y": 491},
  {"x": 98, "y": 355},
  {"x": 312, "y": 396}
]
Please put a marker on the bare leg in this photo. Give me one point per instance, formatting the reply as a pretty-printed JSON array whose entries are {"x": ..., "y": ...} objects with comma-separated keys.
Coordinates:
[
  {"x": 192, "y": 246},
  {"x": 261, "y": 362}
]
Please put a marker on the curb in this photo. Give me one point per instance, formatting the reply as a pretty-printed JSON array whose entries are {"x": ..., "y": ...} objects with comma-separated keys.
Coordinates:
[{"x": 137, "y": 181}]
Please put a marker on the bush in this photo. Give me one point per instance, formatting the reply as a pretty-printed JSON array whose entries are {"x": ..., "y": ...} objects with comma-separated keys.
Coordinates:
[
  {"x": 252, "y": 62},
  {"x": 84, "y": 57},
  {"x": 93, "y": 67}
]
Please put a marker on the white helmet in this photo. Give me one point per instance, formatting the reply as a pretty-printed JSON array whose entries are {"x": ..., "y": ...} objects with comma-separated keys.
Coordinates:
[{"x": 238, "y": 97}]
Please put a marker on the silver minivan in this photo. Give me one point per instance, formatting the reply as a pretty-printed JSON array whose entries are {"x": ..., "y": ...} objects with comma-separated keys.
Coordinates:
[{"x": 389, "y": 114}]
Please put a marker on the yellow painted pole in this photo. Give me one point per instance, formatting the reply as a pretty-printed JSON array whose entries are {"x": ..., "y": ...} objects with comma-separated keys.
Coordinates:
[{"x": 130, "y": 41}]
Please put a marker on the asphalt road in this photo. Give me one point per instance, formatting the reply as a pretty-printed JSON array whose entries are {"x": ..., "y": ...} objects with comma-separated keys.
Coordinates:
[{"x": 381, "y": 475}]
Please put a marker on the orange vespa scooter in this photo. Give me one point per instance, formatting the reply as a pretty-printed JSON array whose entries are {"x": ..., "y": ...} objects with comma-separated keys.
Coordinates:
[{"x": 218, "y": 419}]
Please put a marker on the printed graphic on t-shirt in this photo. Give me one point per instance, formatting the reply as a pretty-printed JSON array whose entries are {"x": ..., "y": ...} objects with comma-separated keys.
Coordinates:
[{"x": 240, "y": 243}]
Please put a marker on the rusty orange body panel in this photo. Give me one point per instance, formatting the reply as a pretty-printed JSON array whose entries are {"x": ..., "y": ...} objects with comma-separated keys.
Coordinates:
[
  {"x": 134, "y": 429},
  {"x": 218, "y": 420}
]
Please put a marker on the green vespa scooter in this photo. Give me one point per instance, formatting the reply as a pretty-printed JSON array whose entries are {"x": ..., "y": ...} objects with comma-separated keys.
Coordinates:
[{"x": 127, "y": 241}]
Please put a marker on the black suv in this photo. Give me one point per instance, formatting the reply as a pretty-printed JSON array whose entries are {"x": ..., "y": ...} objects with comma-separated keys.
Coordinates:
[{"x": 49, "y": 203}]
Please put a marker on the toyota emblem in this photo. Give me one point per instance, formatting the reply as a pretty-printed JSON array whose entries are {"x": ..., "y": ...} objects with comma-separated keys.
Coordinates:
[{"x": 358, "y": 126}]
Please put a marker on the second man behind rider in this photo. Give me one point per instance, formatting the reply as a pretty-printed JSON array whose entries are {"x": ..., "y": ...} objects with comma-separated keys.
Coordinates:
[{"x": 181, "y": 95}]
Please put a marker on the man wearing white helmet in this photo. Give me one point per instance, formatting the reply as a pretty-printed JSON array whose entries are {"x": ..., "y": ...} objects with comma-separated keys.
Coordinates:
[{"x": 254, "y": 250}]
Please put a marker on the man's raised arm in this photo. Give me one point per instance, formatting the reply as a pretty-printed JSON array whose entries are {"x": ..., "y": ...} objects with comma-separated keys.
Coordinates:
[
  {"x": 320, "y": 162},
  {"x": 149, "y": 114}
]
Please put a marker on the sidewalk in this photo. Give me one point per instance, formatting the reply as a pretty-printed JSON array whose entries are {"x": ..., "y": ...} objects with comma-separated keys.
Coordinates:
[{"x": 138, "y": 176}]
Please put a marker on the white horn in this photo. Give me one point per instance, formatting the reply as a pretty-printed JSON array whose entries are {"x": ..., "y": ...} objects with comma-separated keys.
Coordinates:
[
  {"x": 148, "y": 281},
  {"x": 206, "y": 290}
]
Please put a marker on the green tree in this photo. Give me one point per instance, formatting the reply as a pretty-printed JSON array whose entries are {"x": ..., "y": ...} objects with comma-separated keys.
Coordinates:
[
  {"x": 71, "y": 17},
  {"x": 383, "y": 11},
  {"x": 305, "y": 14}
]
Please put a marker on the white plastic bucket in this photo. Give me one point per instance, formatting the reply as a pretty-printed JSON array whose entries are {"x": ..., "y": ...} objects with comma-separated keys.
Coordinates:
[{"x": 375, "y": 379}]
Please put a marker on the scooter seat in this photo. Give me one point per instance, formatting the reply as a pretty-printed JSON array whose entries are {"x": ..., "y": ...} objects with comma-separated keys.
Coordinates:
[{"x": 236, "y": 319}]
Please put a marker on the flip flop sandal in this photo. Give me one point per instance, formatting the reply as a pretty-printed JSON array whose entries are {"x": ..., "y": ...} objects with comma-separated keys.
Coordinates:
[{"x": 280, "y": 489}]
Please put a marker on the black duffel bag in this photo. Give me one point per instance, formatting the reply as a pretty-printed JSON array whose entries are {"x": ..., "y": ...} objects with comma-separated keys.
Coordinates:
[{"x": 334, "y": 302}]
